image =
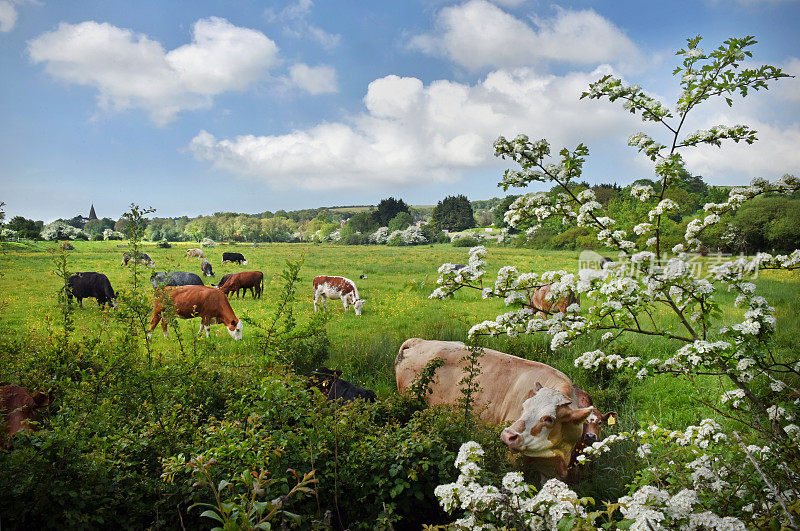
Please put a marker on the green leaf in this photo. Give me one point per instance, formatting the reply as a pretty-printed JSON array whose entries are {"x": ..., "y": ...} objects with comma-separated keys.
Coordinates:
[{"x": 213, "y": 514}]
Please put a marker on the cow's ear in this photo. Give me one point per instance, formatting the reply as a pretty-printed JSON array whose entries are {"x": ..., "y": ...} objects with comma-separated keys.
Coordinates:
[
  {"x": 530, "y": 394},
  {"x": 337, "y": 372},
  {"x": 537, "y": 387},
  {"x": 577, "y": 416},
  {"x": 610, "y": 418}
]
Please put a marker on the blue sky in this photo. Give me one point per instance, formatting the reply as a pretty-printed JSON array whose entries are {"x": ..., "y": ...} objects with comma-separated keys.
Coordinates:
[{"x": 204, "y": 106}]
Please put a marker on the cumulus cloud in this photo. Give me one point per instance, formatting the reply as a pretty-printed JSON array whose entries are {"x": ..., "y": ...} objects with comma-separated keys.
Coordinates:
[
  {"x": 296, "y": 17},
  {"x": 774, "y": 154},
  {"x": 130, "y": 70},
  {"x": 314, "y": 79},
  {"x": 8, "y": 16},
  {"x": 478, "y": 34},
  {"x": 410, "y": 133}
]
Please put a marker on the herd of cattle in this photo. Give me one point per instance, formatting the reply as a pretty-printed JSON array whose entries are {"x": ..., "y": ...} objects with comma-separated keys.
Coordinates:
[{"x": 549, "y": 420}]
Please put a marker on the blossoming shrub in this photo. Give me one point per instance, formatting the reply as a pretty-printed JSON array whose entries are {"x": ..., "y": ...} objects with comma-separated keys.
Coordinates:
[{"x": 743, "y": 465}]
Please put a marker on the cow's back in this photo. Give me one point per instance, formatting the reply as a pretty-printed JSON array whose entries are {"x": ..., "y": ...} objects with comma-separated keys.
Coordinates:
[{"x": 505, "y": 380}]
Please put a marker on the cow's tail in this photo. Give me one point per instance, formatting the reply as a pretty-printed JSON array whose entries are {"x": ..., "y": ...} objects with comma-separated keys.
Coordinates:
[{"x": 407, "y": 344}]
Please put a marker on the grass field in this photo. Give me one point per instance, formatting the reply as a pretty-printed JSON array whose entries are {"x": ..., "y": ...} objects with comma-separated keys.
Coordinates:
[{"x": 399, "y": 280}]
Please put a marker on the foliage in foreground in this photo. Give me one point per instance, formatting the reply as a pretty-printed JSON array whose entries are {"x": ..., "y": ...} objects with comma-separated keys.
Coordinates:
[{"x": 746, "y": 471}]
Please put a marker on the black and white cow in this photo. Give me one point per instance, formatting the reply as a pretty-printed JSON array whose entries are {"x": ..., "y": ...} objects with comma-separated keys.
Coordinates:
[
  {"x": 237, "y": 258},
  {"x": 175, "y": 278},
  {"x": 144, "y": 258},
  {"x": 328, "y": 381},
  {"x": 91, "y": 284},
  {"x": 206, "y": 268}
]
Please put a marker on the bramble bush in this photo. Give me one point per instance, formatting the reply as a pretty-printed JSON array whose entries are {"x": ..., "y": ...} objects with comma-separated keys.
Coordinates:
[{"x": 741, "y": 467}]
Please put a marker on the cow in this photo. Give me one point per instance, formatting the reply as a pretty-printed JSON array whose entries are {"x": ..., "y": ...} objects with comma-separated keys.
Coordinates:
[
  {"x": 222, "y": 282},
  {"x": 542, "y": 306},
  {"x": 236, "y": 258},
  {"x": 91, "y": 284},
  {"x": 195, "y": 253},
  {"x": 334, "y": 388},
  {"x": 592, "y": 432},
  {"x": 144, "y": 258},
  {"x": 17, "y": 407},
  {"x": 538, "y": 401},
  {"x": 337, "y": 288},
  {"x": 205, "y": 267},
  {"x": 252, "y": 280},
  {"x": 363, "y": 277},
  {"x": 197, "y": 301},
  {"x": 175, "y": 278}
]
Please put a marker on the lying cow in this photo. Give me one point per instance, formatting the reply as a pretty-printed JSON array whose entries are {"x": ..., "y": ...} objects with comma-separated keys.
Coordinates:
[
  {"x": 252, "y": 280},
  {"x": 144, "y": 258},
  {"x": 337, "y": 288},
  {"x": 195, "y": 253},
  {"x": 234, "y": 258},
  {"x": 328, "y": 381},
  {"x": 205, "y": 267},
  {"x": 198, "y": 301},
  {"x": 175, "y": 278},
  {"x": 537, "y": 400},
  {"x": 592, "y": 432},
  {"x": 18, "y": 407},
  {"x": 544, "y": 307},
  {"x": 91, "y": 284}
]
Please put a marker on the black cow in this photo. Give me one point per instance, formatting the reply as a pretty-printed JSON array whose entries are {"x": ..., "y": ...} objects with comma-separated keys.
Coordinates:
[
  {"x": 205, "y": 267},
  {"x": 91, "y": 284},
  {"x": 237, "y": 258},
  {"x": 144, "y": 258},
  {"x": 175, "y": 278},
  {"x": 327, "y": 380}
]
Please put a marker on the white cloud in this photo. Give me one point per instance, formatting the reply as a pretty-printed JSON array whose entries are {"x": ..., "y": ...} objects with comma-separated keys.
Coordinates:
[
  {"x": 314, "y": 79},
  {"x": 8, "y": 16},
  {"x": 774, "y": 154},
  {"x": 298, "y": 26},
  {"x": 130, "y": 70},
  {"x": 509, "y": 3},
  {"x": 478, "y": 34},
  {"x": 410, "y": 133}
]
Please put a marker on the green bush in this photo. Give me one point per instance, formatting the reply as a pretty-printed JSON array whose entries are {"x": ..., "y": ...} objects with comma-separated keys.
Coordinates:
[{"x": 466, "y": 241}]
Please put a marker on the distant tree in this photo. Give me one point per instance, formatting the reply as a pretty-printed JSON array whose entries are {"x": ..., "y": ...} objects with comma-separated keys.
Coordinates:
[
  {"x": 501, "y": 209},
  {"x": 400, "y": 222},
  {"x": 388, "y": 209},
  {"x": 25, "y": 228},
  {"x": 362, "y": 222},
  {"x": 453, "y": 213}
]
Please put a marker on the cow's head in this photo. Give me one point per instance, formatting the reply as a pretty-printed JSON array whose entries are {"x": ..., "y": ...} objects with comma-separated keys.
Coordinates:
[
  {"x": 358, "y": 304},
  {"x": 548, "y": 427},
  {"x": 235, "y": 329},
  {"x": 244, "y": 262},
  {"x": 592, "y": 430}
]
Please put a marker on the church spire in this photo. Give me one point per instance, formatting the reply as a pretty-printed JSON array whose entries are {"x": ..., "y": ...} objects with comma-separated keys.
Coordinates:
[{"x": 92, "y": 214}]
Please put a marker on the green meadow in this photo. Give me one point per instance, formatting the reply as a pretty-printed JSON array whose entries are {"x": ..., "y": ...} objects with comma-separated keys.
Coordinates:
[{"x": 399, "y": 280}]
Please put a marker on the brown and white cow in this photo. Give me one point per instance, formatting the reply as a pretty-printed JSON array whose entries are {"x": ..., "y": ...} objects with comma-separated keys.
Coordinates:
[
  {"x": 195, "y": 253},
  {"x": 210, "y": 304},
  {"x": 537, "y": 400},
  {"x": 337, "y": 288},
  {"x": 252, "y": 280},
  {"x": 17, "y": 407},
  {"x": 592, "y": 432},
  {"x": 544, "y": 307}
]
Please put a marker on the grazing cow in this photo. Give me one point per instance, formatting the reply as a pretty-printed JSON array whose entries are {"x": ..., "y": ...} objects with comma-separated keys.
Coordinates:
[
  {"x": 328, "y": 381},
  {"x": 592, "y": 432},
  {"x": 362, "y": 277},
  {"x": 206, "y": 268},
  {"x": 17, "y": 408},
  {"x": 91, "y": 284},
  {"x": 236, "y": 258},
  {"x": 537, "y": 400},
  {"x": 252, "y": 280},
  {"x": 198, "y": 301},
  {"x": 543, "y": 307},
  {"x": 195, "y": 253},
  {"x": 144, "y": 258},
  {"x": 175, "y": 278},
  {"x": 337, "y": 288}
]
